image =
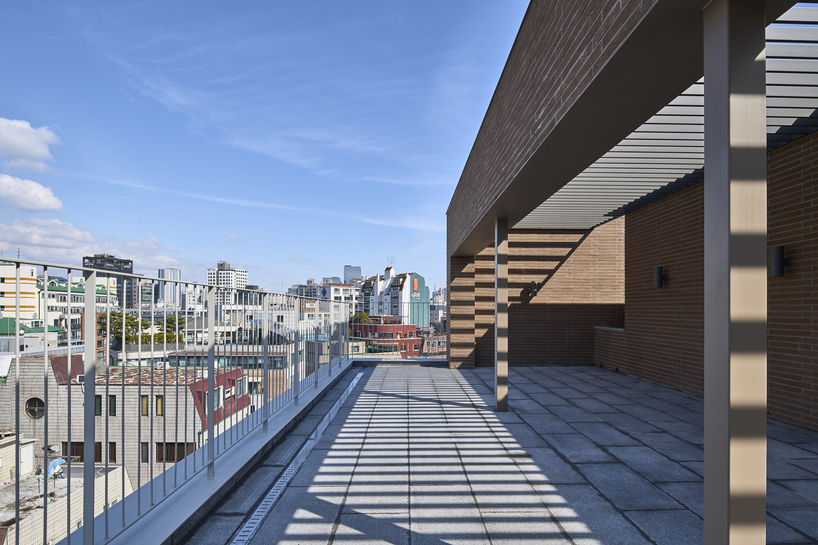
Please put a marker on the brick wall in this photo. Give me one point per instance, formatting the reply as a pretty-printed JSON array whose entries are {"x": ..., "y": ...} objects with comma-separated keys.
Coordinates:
[
  {"x": 460, "y": 310},
  {"x": 579, "y": 275},
  {"x": 559, "y": 49},
  {"x": 663, "y": 335},
  {"x": 792, "y": 300}
]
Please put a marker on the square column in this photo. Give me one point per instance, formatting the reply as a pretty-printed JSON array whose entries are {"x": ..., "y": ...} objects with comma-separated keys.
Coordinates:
[
  {"x": 735, "y": 256},
  {"x": 501, "y": 314}
]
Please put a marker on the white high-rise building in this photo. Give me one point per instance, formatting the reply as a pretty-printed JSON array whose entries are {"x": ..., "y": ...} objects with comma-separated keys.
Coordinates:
[
  {"x": 225, "y": 276},
  {"x": 170, "y": 292}
]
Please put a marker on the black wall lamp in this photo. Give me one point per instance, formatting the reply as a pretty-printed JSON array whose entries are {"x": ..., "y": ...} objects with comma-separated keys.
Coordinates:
[
  {"x": 533, "y": 288},
  {"x": 778, "y": 261},
  {"x": 659, "y": 277}
]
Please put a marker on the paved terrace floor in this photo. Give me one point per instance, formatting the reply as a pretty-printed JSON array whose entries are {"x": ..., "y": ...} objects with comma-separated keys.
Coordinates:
[{"x": 418, "y": 456}]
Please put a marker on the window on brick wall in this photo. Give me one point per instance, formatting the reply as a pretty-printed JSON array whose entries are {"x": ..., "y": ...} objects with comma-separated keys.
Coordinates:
[{"x": 145, "y": 405}]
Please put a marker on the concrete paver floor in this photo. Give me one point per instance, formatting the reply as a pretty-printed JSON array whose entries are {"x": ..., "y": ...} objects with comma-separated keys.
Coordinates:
[{"x": 585, "y": 456}]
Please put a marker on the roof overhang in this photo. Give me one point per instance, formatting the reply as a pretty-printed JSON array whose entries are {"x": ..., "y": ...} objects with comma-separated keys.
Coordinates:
[{"x": 660, "y": 59}]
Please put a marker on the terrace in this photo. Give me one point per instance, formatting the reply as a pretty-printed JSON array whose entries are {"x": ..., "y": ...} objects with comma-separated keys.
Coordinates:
[
  {"x": 416, "y": 455},
  {"x": 582, "y": 236}
]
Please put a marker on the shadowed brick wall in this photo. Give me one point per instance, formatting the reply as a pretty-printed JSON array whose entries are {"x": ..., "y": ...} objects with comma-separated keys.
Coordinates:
[
  {"x": 579, "y": 275},
  {"x": 663, "y": 335}
]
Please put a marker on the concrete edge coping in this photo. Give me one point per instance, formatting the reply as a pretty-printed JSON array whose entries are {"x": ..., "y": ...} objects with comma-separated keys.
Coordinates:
[{"x": 193, "y": 499}]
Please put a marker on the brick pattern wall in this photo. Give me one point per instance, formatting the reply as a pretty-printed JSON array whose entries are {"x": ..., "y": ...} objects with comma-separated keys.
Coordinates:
[
  {"x": 579, "y": 276},
  {"x": 559, "y": 49},
  {"x": 460, "y": 310},
  {"x": 665, "y": 326},
  {"x": 664, "y": 336},
  {"x": 792, "y": 299}
]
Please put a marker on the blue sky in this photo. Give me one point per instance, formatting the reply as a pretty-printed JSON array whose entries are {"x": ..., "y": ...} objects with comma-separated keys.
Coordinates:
[{"x": 288, "y": 138}]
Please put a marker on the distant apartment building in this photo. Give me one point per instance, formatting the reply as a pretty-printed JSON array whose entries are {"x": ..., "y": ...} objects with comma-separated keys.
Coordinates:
[
  {"x": 310, "y": 289},
  {"x": 110, "y": 263},
  {"x": 437, "y": 310},
  {"x": 351, "y": 272},
  {"x": 391, "y": 294},
  {"x": 225, "y": 276},
  {"x": 8, "y": 292},
  {"x": 341, "y": 293},
  {"x": 170, "y": 292}
]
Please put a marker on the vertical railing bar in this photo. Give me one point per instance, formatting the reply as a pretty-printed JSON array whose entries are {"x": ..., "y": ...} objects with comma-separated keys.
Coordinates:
[
  {"x": 196, "y": 394},
  {"x": 139, "y": 397},
  {"x": 46, "y": 405},
  {"x": 210, "y": 384},
  {"x": 165, "y": 372},
  {"x": 265, "y": 355},
  {"x": 123, "y": 366},
  {"x": 68, "y": 413},
  {"x": 106, "y": 405},
  {"x": 89, "y": 422},
  {"x": 152, "y": 398},
  {"x": 176, "y": 386},
  {"x": 17, "y": 304}
]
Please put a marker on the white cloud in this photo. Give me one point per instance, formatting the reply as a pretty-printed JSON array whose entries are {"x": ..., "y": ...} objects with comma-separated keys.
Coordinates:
[
  {"x": 24, "y": 147},
  {"x": 46, "y": 233},
  {"x": 55, "y": 241},
  {"x": 27, "y": 195}
]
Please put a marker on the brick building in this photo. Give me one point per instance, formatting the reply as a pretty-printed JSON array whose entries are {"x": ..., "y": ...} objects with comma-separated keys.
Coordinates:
[{"x": 625, "y": 204}]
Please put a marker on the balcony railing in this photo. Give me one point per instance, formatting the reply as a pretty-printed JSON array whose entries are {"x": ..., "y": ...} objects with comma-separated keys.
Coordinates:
[{"x": 174, "y": 389}]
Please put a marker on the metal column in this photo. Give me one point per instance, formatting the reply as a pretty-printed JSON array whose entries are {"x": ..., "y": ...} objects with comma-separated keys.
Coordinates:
[
  {"x": 501, "y": 314},
  {"x": 735, "y": 298}
]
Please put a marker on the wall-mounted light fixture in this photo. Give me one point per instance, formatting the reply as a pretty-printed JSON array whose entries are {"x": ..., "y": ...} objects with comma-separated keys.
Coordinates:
[
  {"x": 533, "y": 288},
  {"x": 659, "y": 277},
  {"x": 778, "y": 261}
]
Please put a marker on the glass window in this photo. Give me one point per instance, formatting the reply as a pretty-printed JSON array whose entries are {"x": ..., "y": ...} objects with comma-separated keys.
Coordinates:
[
  {"x": 111, "y": 405},
  {"x": 160, "y": 405},
  {"x": 111, "y": 453},
  {"x": 145, "y": 408},
  {"x": 143, "y": 454},
  {"x": 97, "y": 405}
]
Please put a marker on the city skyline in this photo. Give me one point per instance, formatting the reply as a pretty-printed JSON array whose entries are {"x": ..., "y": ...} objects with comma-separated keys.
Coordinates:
[{"x": 289, "y": 140}]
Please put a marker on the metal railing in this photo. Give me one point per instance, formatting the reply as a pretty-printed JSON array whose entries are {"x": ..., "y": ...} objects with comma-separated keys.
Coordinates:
[{"x": 162, "y": 389}]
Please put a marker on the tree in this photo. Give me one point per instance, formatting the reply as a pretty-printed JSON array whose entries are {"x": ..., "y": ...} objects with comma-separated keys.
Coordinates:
[
  {"x": 170, "y": 325},
  {"x": 133, "y": 326},
  {"x": 361, "y": 318}
]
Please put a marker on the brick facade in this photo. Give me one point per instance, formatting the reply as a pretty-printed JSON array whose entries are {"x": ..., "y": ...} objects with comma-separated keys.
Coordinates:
[
  {"x": 579, "y": 275},
  {"x": 663, "y": 336},
  {"x": 548, "y": 68}
]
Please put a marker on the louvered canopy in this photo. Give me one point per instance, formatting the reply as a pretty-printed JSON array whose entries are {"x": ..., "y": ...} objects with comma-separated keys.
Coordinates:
[{"x": 666, "y": 154}]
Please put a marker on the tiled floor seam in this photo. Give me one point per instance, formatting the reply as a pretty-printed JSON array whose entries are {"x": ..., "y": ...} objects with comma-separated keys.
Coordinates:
[
  {"x": 337, "y": 523},
  {"x": 554, "y": 519},
  {"x": 575, "y": 467}
]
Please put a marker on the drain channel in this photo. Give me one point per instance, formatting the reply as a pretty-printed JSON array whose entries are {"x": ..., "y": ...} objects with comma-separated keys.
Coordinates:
[{"x": 249, "y": 529}]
